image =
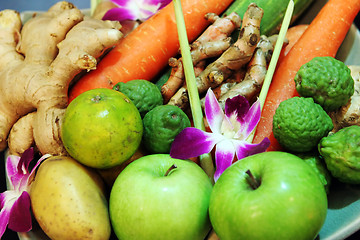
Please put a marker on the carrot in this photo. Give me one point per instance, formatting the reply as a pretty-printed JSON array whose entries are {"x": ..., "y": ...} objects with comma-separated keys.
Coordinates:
[
  {"x": 323, "y": 37},
  {"x": 144, "y": 52},
  {"x": 292, "y": 35}
]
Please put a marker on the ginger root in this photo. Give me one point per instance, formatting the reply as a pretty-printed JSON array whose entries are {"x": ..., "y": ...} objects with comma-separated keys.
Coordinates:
[
  {"x": 230, "y": 61},
  {"x": 255, "y": 75},
  {"x": 211, "y": 43},
  {"x": 38, "y": 61},
  {"x": 350, "y": 113}
]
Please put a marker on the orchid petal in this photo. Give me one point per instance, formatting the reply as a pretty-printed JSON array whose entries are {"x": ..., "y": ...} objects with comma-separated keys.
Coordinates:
[
  {"x": 32, "y": 173},
  {"x": 164, "y": 3},
  {"x": 134, "y": 10},
  {"x": 193, "y": 142},
  {"x": 15, "y": 203},
  {"x": 4, "y": 213},
  {"x": 26, "y": 158},
  {"x": 119, "y": 14},
  {"x": 213, "y": 112},
  {"x": 20, "y": 217},
  {"x": 224, "y": 156},
  {"x": 251, "y": 118},
  {"x": 245, "y": 149},
  {"x": 238, "y": 105},
  {"x": 12, "y": 162}
]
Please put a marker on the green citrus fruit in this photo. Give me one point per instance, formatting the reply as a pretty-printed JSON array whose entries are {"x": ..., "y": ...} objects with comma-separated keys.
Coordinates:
[
  {"x": 341, "y": 152},
  {"x": 299, "y": 124},
  {"x": 317, "y": 163},
  {"x": 161, "y": 125},
  {"x": 144, "y": 94},
  {"x": 327, "y": 80},
  {"x": 102, "y": 128}
]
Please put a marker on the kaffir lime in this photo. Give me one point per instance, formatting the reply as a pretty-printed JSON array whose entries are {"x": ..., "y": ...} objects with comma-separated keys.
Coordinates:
[
  {"x": 144, "y": 94},
  {"x": 299, "y": 124},
  {"x": 341, "y": 152},
  {"x": 161, "y": 125},
  {"x": 327, "y": 80},
  {"x": 317, "y": 163}
]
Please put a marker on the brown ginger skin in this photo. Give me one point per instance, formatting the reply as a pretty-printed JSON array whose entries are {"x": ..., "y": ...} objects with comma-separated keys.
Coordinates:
[
  {"x": 38, "y": 62},
  {"x": 211, "y": 43},
  {"x": 350, "y": 113},
  {"x": 230, "y": 61}
]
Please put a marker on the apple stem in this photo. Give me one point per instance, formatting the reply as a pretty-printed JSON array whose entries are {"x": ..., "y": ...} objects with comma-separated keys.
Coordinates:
[
  {"x": 170, "y": 168},
  {"x": 253, "y": 182}
]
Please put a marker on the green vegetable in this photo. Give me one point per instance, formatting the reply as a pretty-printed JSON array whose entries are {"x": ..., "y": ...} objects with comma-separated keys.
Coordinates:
[
  {"x": 274, "y": 12},
  {"x": 300, "y": 123},
  {"x": 144, "y": 94},
  {"x": 341, "y": 152},
  {"x": 327, "y": 80},
  {"x": 161, "y": 125}
]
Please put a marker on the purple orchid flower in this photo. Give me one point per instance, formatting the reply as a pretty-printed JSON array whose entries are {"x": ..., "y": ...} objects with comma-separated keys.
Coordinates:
[
  {"x": 134, "y": 9},
  {"x": 15, "y": 203},
  {"x": 229, "y": 132}
]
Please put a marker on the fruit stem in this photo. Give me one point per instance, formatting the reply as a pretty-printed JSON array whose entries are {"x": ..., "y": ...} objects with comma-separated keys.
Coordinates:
[
  {"x": 170, "y": 169},
  {"x": 253, "y": 182}
]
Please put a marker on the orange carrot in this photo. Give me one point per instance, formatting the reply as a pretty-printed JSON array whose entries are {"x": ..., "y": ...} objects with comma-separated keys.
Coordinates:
[
  {"x": 293, "y": 34},
  {"x": 144, "y": 52},
  {"x": 323, "y": 37}
]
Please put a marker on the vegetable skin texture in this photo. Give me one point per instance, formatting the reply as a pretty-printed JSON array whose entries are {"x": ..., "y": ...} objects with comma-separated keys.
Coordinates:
[
  {"x": 323, "y": 37},
  {"x": 144, "y": 52},
  {"x": 274, "y": 12},
  {"x": 38, "y": 60}
]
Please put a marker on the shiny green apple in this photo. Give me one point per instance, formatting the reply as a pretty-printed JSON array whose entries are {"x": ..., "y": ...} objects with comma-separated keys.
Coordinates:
[
  {"x": 270, "y": 195},
  {"x": 158, "y": 197}
]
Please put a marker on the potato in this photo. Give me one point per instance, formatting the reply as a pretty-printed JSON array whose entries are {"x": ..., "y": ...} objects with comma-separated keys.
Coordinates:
[{"x": 68, "y": 200}]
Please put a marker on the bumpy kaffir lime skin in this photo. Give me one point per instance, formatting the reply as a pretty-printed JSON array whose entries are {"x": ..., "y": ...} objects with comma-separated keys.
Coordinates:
[
  {"x": 341, "y": 152},
  {"x": 144, "y": 94},
  {"x": 327, "y": 80},
  {"x": 161, "y": 125},
  {"x": 316, "y": 162},
  {"x": 299, "y": 123}
]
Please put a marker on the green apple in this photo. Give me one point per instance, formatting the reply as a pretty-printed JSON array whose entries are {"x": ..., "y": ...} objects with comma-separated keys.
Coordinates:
[
  {"x": 270, "y": 195},
  {"x": 159, "y": 197}
]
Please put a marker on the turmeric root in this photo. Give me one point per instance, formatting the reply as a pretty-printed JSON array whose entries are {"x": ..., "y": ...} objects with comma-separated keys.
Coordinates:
[
  {"x": 38, "y": 62},
  {"x": 255, "y": 75},
  {"x": 211, "y": 43},
  {"x": 350, "y": 113},
  {"x": 233, "y": 59}
]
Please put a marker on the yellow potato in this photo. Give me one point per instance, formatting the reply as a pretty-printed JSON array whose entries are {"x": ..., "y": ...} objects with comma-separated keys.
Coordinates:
[{"x": 68, "y": 200}]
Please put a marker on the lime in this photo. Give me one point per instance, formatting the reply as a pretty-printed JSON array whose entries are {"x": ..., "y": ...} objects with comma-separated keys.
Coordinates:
[
  {"x": 341, "y": 152},
  {"x": 317, "y": 163},
  {"x": 102, "y": 128},
  {"x": 161, "y": 125},
  {"x": 299, "y": 124},
  {"x": 327, "y": 80},
  {"x": 144, "y": 94}
]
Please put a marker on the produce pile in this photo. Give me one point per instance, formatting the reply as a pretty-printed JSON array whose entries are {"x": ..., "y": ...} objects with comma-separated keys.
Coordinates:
[{"x": 103, "y": 104}]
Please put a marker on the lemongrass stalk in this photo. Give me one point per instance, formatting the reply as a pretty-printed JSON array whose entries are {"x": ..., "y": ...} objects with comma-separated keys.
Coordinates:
[
  {"x": 93, "y": 5},
  {"x": 194, "y": 99},
  {"x": 274, "y": 59}
]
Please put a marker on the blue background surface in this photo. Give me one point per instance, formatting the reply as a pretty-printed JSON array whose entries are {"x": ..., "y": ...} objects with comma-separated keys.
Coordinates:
[
  {"x": 42, "y": 5},
  {"x": 31, "y": 5}
]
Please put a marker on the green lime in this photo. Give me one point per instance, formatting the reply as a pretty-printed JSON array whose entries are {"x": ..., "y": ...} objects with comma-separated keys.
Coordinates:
[
  {"x": 341, "y": 152},
  {"x": 318, "y": 164},
  {"x": 144, "y": 94},
  {"x": 161, "y": 125},
  {"x": 327, "y": 80},
  {"x": 299, "y": 124},
  {"x": 102, "y": 128}
]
